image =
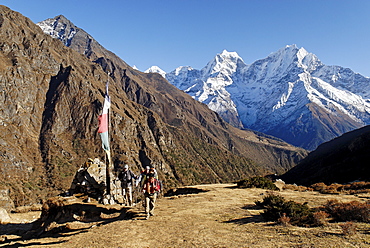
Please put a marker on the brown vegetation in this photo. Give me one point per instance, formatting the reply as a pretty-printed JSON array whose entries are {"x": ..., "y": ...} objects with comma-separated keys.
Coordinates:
[
  {"x": 348, "y": 211},
  {"x": 257, "y": 182},
  {"x": 349, "y": 228},
  {"x": 335, "y": 188}
]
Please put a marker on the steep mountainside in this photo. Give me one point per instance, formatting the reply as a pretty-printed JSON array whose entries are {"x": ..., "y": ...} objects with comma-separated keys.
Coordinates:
[
  {"x": 290, "y": 94},
  {"x": 51, "y": 96},
  {"x": 341, "y": 160}
]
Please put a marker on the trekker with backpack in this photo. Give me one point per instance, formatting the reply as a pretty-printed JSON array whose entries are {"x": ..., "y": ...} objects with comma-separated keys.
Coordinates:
[
  {"x": 151, "y": 188},
  {"x": 144, "y": 174},
  {"x": 127, "y": 178}
]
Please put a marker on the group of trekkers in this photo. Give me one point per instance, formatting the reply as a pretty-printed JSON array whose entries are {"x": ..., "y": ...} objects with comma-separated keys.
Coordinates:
[{"x": 147, "y": 181}]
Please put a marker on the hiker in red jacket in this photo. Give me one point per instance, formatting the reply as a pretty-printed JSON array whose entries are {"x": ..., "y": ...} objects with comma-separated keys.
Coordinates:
[{"x": 151, "y": 188}]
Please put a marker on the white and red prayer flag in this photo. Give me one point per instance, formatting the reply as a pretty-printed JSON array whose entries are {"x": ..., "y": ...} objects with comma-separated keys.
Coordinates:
[{"x": 103, "y": 122}]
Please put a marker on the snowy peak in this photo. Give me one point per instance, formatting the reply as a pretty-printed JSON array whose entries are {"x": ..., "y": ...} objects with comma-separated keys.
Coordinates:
[
  {"x": 79, "y": 40},
  {"x": 225, "y": 63},
  {"x": 287, "y": 62},
  {"x": 156, "y": 69},
  {"x": 287, "y": 56},
  {"x": 230, "y": 55},
  {"x": 292, "y": 55},
  {"x": 182, "y": 70},
  {"x": 59, "y": 27}
]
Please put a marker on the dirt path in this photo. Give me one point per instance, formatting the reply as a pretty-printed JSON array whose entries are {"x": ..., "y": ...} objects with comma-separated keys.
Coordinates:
[{"x": 221, "y": 217}]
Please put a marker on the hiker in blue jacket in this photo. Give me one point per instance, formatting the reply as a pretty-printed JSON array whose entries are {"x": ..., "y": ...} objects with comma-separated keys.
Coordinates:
[{"x": 127, "y": 178}]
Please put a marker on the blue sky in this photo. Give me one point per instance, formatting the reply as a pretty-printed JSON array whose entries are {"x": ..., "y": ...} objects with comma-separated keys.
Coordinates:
[{"x": 172, "y": 33}]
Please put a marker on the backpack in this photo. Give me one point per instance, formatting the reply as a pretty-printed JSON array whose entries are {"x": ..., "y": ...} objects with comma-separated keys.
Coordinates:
[
  {"x": 127, "y": 177},
  {"x": 160, "y": 186}
]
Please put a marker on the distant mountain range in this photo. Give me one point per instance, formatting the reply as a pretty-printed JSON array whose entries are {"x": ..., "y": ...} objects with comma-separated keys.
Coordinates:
[{"x": 290, "y": 94}]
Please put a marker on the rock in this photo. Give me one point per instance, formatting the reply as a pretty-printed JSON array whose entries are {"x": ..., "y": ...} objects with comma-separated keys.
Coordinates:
[
  {"x": 280, "y": 184},
  {"x": 5, "y": 201},
  {"x": 4, "y": 216},
  {"x": 90, "y": 180}
]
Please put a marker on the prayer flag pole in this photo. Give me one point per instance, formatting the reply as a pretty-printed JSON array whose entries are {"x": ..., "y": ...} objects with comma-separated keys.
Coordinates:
[{"x": 104, "y": 121}]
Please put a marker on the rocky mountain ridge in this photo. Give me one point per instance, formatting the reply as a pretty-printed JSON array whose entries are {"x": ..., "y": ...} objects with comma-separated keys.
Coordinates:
[
  {"x": 51, "y": 96},
  {"x": 290, "y": 94}
]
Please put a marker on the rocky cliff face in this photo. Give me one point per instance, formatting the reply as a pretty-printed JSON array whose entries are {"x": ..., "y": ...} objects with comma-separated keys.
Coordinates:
[{"x": 51, "y": 96}]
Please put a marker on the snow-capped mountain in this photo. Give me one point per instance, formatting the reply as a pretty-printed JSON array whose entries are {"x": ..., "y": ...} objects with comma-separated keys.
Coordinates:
[
  {"x": 156, "y": 69},
  {"x": 59, "y": 28},
  {"x": 290, "y": 94},
  {"x": 76, "y": 38},
  {"x": 209, "y": 85}
]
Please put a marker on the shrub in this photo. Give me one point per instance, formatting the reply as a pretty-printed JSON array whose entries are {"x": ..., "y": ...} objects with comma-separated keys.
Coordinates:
[
  {"x": 319, "y": 186},
  {"x": 335, "y": 188},
  {"x": 358, "y": 191},
  {"x": 320, "y": 218},
  {"x": 357, "y": 186},
  {"x": 276, "y": 207},
  {"x": 284, "y": 220},
  {"x": 297, "y": 187},
  {"x": 350, "y": 211},
  {"x": 257, "y": 182},
  {"x": 349, "y": 228},
  {"x": 324, "y": 189}
]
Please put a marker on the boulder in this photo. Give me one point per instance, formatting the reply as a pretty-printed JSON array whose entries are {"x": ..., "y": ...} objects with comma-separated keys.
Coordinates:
[
  {"x": 91, "y": 180},
  {"x": 5, "y": 201},
  {"x": 4, "y": 216}
]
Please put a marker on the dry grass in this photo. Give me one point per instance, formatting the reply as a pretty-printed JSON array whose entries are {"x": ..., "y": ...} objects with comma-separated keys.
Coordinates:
[
  {"x": 220, "y": 217},
  {"x": 349, "y": 228}
]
